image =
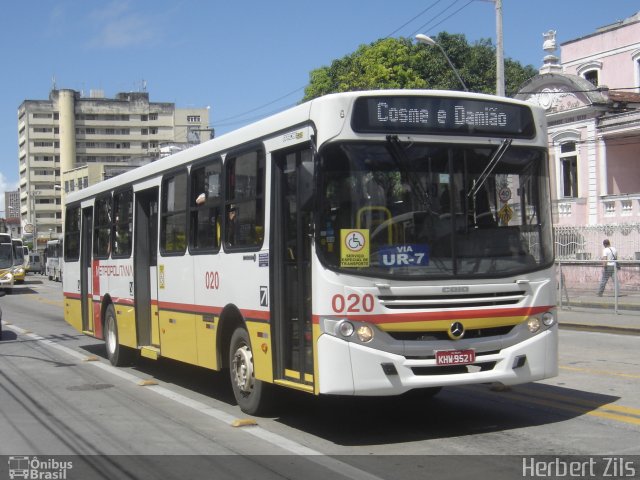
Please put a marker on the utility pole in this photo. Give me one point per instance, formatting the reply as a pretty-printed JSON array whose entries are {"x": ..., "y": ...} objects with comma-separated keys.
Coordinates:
[{"x": 499, "y": 51}]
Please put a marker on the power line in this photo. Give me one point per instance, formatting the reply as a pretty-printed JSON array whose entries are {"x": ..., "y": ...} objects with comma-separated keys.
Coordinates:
[
  {"x": 227, "y": 121},
  {"x": 414, "y": 18},
  {"x": 444, "y": 19},
  {"x": 233, "y": 117}
]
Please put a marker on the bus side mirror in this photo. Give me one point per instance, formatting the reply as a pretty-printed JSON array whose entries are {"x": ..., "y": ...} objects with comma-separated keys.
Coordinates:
[{"x": 305, "y": 184}]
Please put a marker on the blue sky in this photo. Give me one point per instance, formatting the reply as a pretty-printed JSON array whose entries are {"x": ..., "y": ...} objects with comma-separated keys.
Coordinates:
[{"x": 242, "y": 59}]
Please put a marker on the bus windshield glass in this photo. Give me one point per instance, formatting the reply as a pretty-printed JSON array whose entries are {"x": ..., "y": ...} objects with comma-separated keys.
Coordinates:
[
  {"x": 401, "y": 210},
  {"x": 18, "y": 254},
  {"x": 6, "y": 255}
]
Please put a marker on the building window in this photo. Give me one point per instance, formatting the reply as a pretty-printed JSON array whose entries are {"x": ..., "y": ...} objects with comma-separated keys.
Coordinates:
[
  {"x": 153, "y": 116},
  {"x": 193, "y": 118},
  {"x": 569, "y": 170},
  {"x": 592, "y": 76}
]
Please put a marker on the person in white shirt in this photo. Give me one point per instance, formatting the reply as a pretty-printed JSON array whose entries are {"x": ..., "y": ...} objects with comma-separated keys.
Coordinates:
[{"x": 609, "y": 255}]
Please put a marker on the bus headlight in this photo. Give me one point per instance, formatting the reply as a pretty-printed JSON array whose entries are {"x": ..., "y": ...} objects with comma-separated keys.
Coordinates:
[
  {"x": 534, "y": 324},
  {"x": 6, "y": 277},
  {"x": 18, "y": 271},
  {"x": 345, "y": 328},
  {"x": 548, "y": 319},
  {"x": 364, "y": 333}
]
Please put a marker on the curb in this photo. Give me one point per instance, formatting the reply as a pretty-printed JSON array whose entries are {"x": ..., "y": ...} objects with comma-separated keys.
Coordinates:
[{"x": 599, "y": 328}]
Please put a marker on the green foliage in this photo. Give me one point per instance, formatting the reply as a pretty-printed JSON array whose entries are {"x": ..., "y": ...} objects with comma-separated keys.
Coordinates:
[{"x": 401, "y": 63}]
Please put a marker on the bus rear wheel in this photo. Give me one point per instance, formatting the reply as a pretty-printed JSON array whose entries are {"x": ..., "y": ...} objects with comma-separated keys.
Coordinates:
[
  {"x": 252, "y": 395},
  {"x": 117, "y": 354}
]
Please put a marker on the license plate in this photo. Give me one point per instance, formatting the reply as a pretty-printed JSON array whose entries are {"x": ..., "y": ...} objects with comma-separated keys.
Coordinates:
[{"x": 455, "y": 357}]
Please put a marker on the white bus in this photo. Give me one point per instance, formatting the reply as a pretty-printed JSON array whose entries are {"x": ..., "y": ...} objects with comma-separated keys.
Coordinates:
[
  {"x": 53, "y": 262},
  {"x": 7, "y": 256},
  {"x": 364, "y": 243}
]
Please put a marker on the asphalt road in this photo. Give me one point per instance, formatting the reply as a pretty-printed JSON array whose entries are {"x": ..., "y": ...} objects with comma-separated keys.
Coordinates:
[{"x": 60, "y": 397}]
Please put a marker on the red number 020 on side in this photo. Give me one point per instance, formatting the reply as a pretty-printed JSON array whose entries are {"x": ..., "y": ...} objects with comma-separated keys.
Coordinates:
[{"x": 353, "y": 303}]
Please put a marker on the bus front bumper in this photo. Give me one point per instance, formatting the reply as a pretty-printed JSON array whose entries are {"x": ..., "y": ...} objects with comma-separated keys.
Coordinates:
[
  {"x": 6, "y": 280},
  {"x": 346, "y": 368}
]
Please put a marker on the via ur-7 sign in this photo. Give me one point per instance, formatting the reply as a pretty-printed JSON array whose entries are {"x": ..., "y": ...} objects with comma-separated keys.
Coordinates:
[{"x": 404, "y": 256}]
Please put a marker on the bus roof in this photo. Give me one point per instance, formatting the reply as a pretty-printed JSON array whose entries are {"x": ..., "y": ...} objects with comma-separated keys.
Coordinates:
[{"x": 294, "y": 117}]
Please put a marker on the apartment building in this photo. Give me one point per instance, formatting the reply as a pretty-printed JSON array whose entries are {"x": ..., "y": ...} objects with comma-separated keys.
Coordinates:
[
  {"x": 71, "y": 141},
  {"x": 12, "y": 204}
]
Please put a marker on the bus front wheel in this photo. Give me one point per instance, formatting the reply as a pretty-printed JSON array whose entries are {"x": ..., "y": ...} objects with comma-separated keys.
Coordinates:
[
  {"x": 252, "y": 395},
  {"x": 117, "y": 354}
]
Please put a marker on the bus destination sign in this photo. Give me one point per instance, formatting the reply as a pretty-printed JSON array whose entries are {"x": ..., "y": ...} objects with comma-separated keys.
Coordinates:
[{"x": 442, "y": 115}]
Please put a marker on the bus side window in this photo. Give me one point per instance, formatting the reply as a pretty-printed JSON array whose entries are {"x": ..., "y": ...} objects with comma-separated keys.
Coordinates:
[
  {"x": 244, "y": 203},
  {"x": 123, "y": 209},
  {"x": 204, "y": 217},
  {"x": 173, "y": 234}
]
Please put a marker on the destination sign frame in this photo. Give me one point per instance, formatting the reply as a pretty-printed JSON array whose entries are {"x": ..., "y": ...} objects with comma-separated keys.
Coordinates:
[{"x": 442, "y": 115}]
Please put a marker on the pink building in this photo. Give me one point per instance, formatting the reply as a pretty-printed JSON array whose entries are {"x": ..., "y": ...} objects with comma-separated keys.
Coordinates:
[{"x": 592, "y": 96}]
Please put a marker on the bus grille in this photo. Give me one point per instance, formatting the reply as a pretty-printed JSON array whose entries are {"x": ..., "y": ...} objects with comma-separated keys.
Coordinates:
[
  {"x": 408, "y": 302},
  {"x": 443, "y": 335},
  {"x": 453, "y": 369}
]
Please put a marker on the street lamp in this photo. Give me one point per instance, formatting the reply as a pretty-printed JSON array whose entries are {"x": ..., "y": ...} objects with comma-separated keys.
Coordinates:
[{"x": 421, "y": 38}]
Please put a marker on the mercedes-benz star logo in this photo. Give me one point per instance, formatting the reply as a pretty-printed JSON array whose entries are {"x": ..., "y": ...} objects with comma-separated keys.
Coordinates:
[{"x": 456, "y": 331}]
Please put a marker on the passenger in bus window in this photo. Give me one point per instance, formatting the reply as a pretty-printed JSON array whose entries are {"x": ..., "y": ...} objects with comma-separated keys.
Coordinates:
[{"x": 230, "y": 227}]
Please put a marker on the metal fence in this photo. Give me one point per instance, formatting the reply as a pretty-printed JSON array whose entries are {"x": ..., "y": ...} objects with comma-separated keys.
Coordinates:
[
  {"x": 585, "y": 242},
  {"x": 579, "y": 285},
  {"x": 578, "y": 250}
]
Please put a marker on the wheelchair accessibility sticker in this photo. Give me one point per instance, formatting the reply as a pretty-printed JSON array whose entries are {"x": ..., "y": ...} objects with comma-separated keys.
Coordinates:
[{"x": 354, "y": 251}]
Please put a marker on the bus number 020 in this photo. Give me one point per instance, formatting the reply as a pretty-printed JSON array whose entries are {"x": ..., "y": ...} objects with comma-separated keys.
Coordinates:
[
  {"x": 212, "y": 280},
  {"x": 353, "y": 303}
]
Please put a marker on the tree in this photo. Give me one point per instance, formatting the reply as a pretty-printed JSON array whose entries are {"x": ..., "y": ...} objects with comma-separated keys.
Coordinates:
[{"x": 399, "y": 63}]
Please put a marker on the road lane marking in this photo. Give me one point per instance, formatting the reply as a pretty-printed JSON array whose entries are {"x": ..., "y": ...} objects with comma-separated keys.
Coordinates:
[
  {"x": 284, "y": 443},
  {"x": 588, "y": 403},
  {"x": 57, "y": 303},
  {"x": 567, "y": 405}
]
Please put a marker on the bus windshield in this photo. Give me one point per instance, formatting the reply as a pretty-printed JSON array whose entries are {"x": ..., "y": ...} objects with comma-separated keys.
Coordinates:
[
  {"x": 6, "y": 255},
  {"x": 18, "y": 254},
  {"x": 433, "y": 210}
]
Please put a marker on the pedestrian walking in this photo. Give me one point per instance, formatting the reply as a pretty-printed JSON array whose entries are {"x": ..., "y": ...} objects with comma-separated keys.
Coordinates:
[{"x": 609, "y": 257}]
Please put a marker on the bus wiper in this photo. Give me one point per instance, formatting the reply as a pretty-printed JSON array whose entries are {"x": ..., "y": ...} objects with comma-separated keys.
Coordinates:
[
  {"x": 493, "y": 163},
  {"x": 400, "y": 157}
]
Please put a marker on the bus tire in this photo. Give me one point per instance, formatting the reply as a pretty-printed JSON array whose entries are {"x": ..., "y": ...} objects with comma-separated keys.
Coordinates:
[
  {"x": 117, "y": 354},
  {"x": 252, "y": 395}
]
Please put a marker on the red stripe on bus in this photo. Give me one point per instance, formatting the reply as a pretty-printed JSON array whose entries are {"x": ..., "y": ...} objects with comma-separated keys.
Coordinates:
[{"x": 183, "y": 307}]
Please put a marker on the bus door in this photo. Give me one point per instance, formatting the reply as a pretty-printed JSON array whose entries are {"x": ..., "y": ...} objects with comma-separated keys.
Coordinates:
[
  {"x": 144, "y": 265},
  {"x": 291, "y": 268},
  {"x": 86, "y": 286}
]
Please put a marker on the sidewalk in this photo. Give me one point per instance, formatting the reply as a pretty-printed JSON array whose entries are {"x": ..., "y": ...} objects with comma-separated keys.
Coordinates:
[{"x": 593, "y": 313}]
